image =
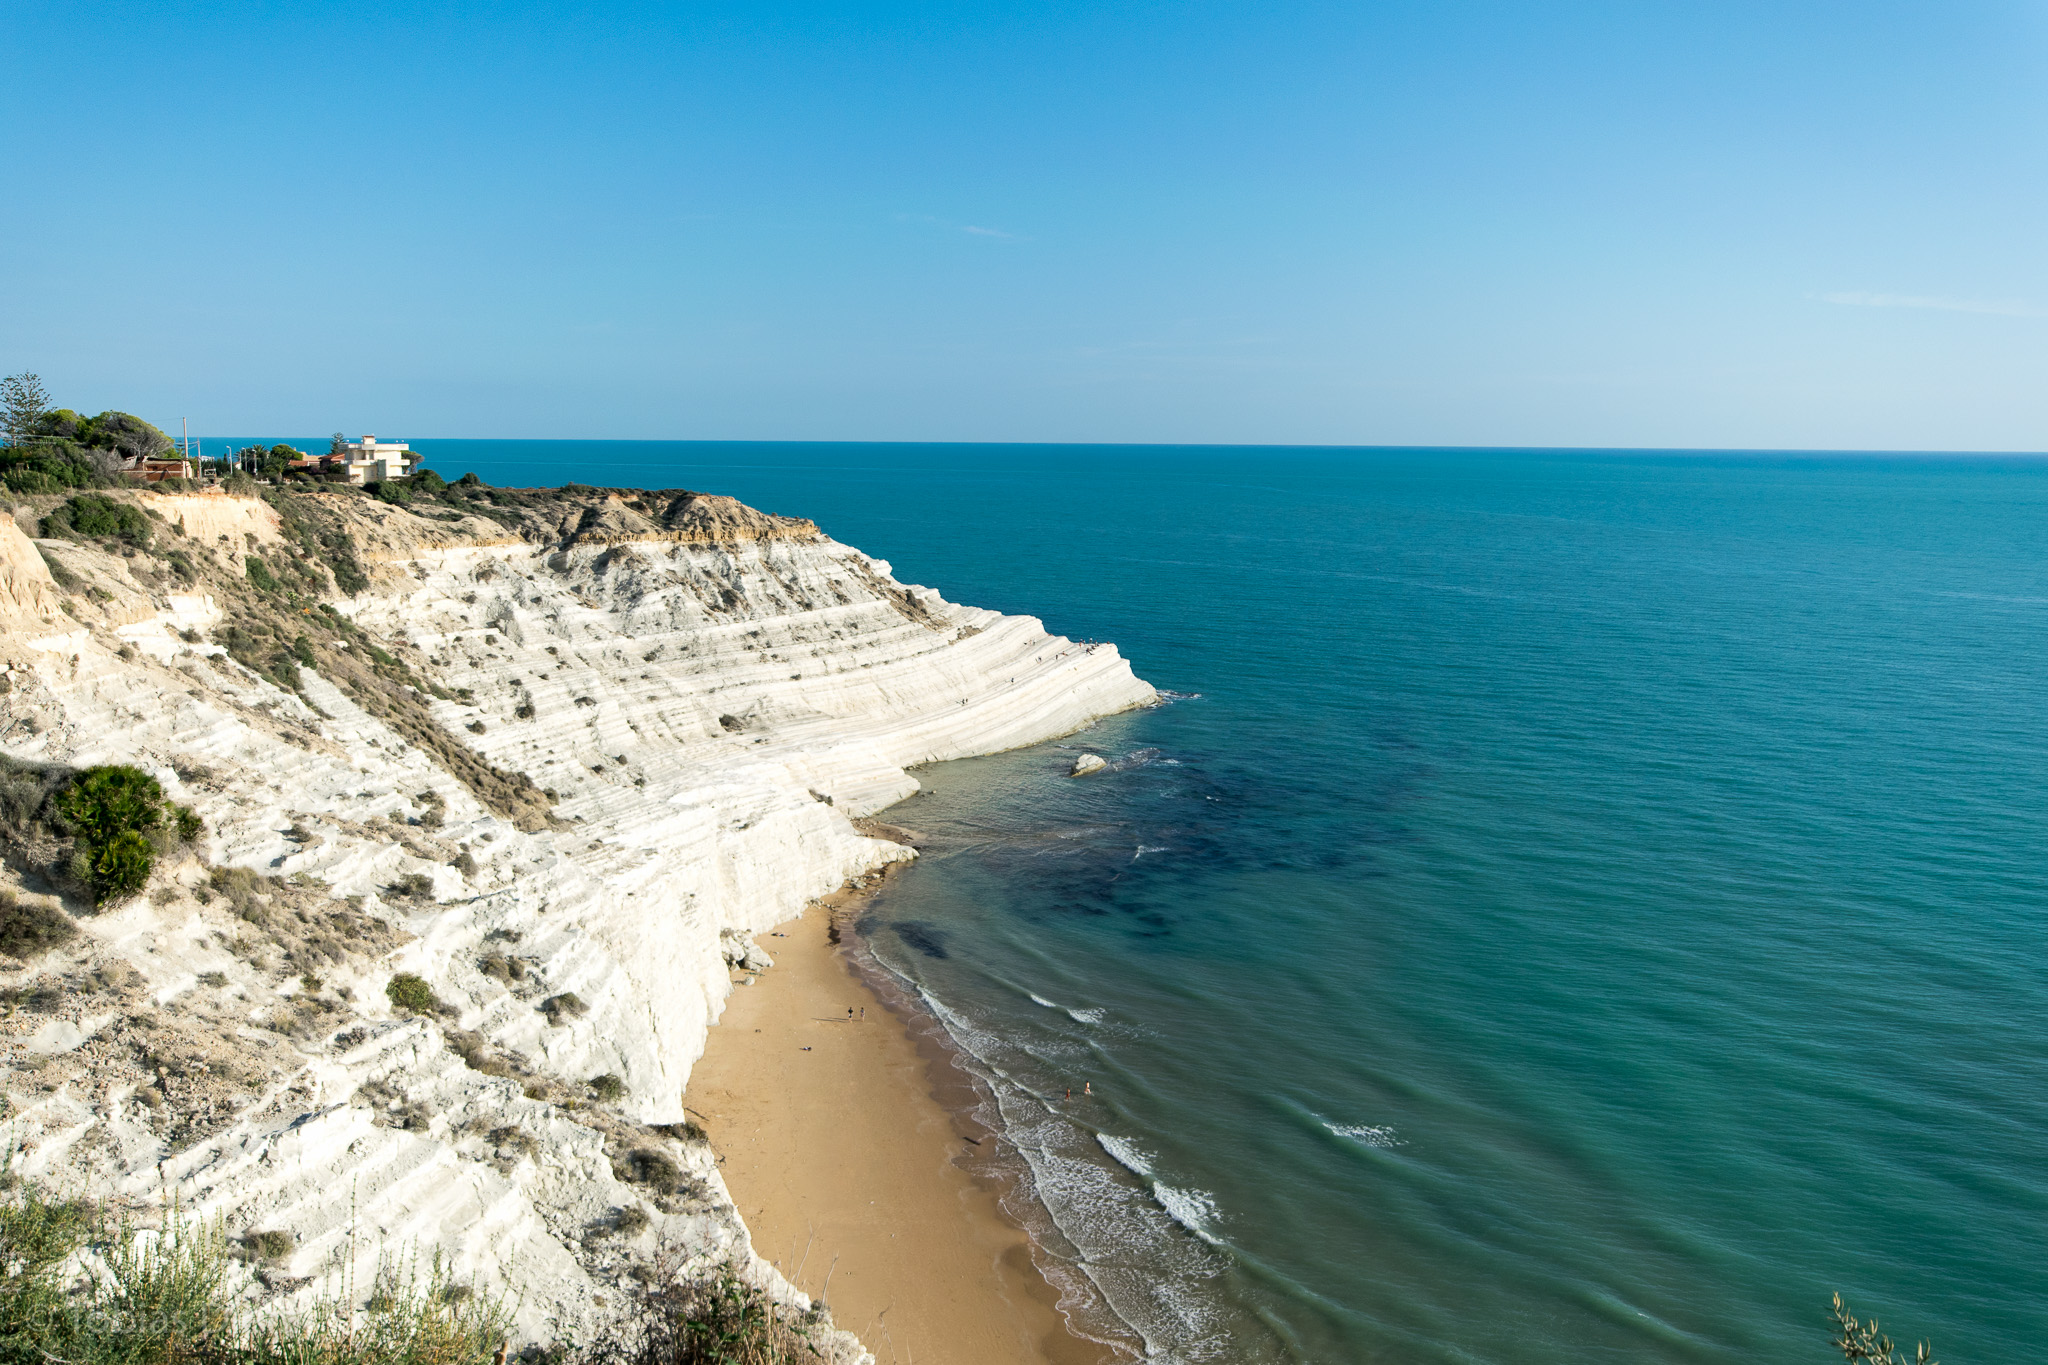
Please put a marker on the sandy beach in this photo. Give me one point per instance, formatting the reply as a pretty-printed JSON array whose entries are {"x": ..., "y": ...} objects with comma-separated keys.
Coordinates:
[{"x": 843, "y": 1163}]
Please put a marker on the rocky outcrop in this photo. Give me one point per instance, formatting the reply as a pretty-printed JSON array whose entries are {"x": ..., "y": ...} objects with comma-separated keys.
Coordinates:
[
  {"x": 28, "y": 594},
  {"x": 701, "y": 701}
]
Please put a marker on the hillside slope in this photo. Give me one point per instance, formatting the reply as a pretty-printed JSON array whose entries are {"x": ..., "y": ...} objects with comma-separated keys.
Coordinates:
[{"x": 556, "y": 753}]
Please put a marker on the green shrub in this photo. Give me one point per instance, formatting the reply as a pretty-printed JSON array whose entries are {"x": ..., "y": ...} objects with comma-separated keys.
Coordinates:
[
  {"x": 190, "y": 826},
  {"x": 27, "y": 479},
  {"x": 113, "y": 810},
  {"x": 99, "y": 517},
  {"x": 120, "y": 866},
  {"x": 48, "y": 467},
  {"x": 259, "y": 573},
  {"x": 608, "y": 1088},
  {"x": 413, "y": 995},
  {"x": 108, "y": 800}
]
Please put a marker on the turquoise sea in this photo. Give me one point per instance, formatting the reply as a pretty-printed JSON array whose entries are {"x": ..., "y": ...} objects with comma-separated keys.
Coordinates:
[{"x": 1582, "y": 907}]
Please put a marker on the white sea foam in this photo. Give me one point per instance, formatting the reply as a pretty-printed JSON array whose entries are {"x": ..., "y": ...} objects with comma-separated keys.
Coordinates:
[
  {"x": 1087, "y": 1016},
  {"x": 1124, "y": 1238},
  {"x": 1127, "y": 1154},
  {"x": 1194, "y": 1210},
  {"x": 1143, "y": 849},
  {"x": 1038, "y": 999},
  {"x": 1368, "y": 1134}
]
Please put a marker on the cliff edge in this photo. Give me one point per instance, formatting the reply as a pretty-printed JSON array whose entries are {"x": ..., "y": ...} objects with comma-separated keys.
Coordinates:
[{"x": 543, "y": 759}]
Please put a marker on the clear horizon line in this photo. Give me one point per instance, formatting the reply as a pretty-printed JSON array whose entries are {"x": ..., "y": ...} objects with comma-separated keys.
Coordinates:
[{"x": 2003, "y": 452}]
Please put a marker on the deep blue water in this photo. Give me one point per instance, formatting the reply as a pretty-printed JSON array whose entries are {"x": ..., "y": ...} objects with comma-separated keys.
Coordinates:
[{"x": 1593, "y": 909}]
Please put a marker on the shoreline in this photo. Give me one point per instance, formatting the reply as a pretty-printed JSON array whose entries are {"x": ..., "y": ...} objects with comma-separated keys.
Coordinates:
[{"x": 857, "y": 1163}]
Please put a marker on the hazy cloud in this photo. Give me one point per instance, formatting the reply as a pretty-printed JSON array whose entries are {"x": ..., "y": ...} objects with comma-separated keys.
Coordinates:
[
  {"x": 2010, "y": 308},
  {"x": 949, "y": 225}
]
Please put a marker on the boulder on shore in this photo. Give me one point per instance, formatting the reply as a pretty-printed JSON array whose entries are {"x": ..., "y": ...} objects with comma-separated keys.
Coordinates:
[{"x": 1086, "y": 764}]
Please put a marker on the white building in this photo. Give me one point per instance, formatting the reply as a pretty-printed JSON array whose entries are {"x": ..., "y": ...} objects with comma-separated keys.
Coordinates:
[{"x": 370, "y": 460}]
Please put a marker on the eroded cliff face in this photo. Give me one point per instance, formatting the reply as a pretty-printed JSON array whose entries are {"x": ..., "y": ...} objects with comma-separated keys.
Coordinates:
[{"x": 558, "y": 761}]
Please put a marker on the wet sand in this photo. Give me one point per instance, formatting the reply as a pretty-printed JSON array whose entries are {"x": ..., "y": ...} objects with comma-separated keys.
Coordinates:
[{"x": 844, "y": 1165}]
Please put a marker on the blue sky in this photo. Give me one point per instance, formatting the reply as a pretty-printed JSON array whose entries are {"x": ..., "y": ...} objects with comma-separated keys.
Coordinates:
[{"x": 1626, "y": 223}]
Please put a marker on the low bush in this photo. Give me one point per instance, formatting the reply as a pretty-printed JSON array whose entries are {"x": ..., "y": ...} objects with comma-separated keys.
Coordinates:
[
  {"x": 414, "y": 886},
  {"x": 656, "y": 1170},
  {"x": 608, "y": 1088},
  {"x": 269, "y": 1246},
  {"x": 119, "y": 867},
  {"x": 113, "y": 809},
  {"x": 28, "y": 929},
  {"x": 413, "y": 995},
  {"x": 720, "y": 1319},
  {"x": 98, "y": 517},
  {"x": 560, "y": 1009},
  {"x": 502, "y": 966},
  {"x": 105, "y": 801},
  {"x": 243, "y": 890}
]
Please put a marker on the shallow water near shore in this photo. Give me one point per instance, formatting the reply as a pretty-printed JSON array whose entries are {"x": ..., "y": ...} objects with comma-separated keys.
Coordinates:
[{"x": 1586, "y": 907}]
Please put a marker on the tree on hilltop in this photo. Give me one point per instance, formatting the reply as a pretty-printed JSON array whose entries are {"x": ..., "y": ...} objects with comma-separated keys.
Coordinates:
[{"x": 23, "y": 403}]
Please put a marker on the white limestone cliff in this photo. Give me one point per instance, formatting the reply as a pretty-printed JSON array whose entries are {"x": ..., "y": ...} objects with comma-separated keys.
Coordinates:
[{"x": 707, "y": 702}]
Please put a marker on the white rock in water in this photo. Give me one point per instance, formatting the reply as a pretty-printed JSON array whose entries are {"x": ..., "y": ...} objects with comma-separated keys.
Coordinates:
[{"x": 1086, "y": 764}]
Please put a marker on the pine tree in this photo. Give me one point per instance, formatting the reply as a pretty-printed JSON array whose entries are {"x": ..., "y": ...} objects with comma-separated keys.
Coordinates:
[{"x": 23, "y": 402}]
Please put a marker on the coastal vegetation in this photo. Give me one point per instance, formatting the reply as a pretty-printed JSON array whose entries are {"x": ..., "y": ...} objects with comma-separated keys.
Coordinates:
[
  {"x": 1865, "y": 1341},
  {"x": 81, "y": 1286},
  {"x": 101, "y": 829},
  {"x": 53, "y": 450}
]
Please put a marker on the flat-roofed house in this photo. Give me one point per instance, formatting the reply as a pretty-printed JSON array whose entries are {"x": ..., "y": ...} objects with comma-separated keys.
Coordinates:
[{"x": 370, "y": 460}]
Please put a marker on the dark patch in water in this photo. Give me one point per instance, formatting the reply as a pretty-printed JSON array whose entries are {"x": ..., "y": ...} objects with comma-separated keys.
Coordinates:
[{"x": 924, "y": 937}]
